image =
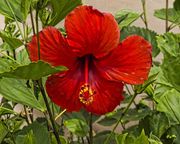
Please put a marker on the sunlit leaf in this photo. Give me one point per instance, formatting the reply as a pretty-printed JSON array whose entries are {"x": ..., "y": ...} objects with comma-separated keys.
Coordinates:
[
  {"x": 17, "y": 91},
  {"x": 15, "y": 5},
  {"x": 173, "y": 15},
  {"x": 37, "y": 132},
  {"x": 12, "y": 41},
  {"x": 77, "y": 126},
  {"x": 3, "y": 131},
  {"x": 61, "y": 8},
  {"x": 25, "y": 8},
  {"x": 157, "y": 124},
  {"x": 126, "y": 17},
  {"x": 121, "y": 139},
  {"x": 170, "y": 46},
  {"x": 4, "y": 111},
  {"x": 34, "y": 71},
  {"x": 169, "y": 103},
  {"x": 142, "y": 139}
]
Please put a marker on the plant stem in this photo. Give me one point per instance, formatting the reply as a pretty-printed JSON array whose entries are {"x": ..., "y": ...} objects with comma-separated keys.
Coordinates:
[
  {"x": 39, "y": 82},
  {"x": 32, "y": 21},
  {"x": 91, "y": 129},
  {"x": 130, "y": 94},
  {"x": 37, "y": 34},
  {"x": 26, "y": 117},
  {"x": 49, "y": 110},
  {"x": 144, "y": 13},
  {"x": 120, "y": 119},
  {"x": 60, "y": 114},
  {"x": 166, "y": 24}
]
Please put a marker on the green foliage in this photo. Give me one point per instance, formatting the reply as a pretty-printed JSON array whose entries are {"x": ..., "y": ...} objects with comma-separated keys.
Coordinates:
[
  {"x": 126, "y": 17},
  {"x": 169, "y": 45},
  {"x": 17, "y": 91},
  {"x": 25, "y": 8},
  {"x": 34, "y": 133},
  {"x": 173, "y": 133},
  {"x": 169, "y": 103},
  {"x": 13, "y": 42},
  {"x": 4, "y": 111},
  {"x": 173, "y": 15},
  {"x": 61, "y": 8},
  {"x": 177, "y": 4},
  {"x": 8, "y": 8},
  {"x": 147, "y": 34},
  {"x": 156, "y": 124},
  {"x": 3, "y": 131},
  {"x": 77, "y": 126},
  {"x": 34, "y": 70}
]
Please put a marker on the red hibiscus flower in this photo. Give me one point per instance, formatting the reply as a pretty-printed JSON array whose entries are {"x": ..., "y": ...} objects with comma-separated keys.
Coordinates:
[{"x": 98, "y": 64}]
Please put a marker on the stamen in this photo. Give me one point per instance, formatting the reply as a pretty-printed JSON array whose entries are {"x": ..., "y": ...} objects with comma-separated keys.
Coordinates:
[{"x": 86, "y": 94}]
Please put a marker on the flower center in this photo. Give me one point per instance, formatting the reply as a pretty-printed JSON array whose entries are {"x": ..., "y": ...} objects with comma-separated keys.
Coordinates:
[{"x": 86, "y": 93}]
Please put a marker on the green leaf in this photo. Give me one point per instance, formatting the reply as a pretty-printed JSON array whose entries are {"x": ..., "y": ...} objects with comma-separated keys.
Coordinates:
[
  {"x": 4, "y": 111},
  {"x": 61, "y": 8},
  {"x": 140, "y": 88},
  {"x": 77, "y": 126},
  {"x": 34, "y": 70},
  {"x": 17, "y": 91},
  {"x": 54, "y": 141},
  {"x": 121, "y": 139},
  {"x": 26, "y": 139},
  {"x": 38, "y": 133},
  {"x": 169, "y": 103},
  {"x": 170, "y": 46},
  {"x": 22, "y": 57},
  {"x": 157, "y": 124},
  {"x": 173, "y": 15},
  {"x": 6, "y": 10},
  {"x": 100, "y": 137},
  {"x": 6, "y": 65},
  {"x": 147, "y": 34},
  {"x": 142, "y": 139},
  {"x": 177, "y": 4},
  {"x": 25, "y": 8},
  {"x": 154, "y": 139},
  {"x": 107, "y": 121},
  {"x": 126, "y": 17},
  {"x": 3, "y": 131},
  {"x": 11, "y": 41}
]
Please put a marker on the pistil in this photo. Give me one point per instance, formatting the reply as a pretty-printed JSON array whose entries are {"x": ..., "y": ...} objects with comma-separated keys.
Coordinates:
[{"x": 86, "y": 93}]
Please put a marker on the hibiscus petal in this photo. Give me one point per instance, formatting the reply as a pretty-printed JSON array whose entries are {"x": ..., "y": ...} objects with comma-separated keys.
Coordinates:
[
  {"x": 53, "y": 48},
  {"x": 91, "y": 32},
  {"x": 129, "y": 62},
  {"x": 107, "y": 95},
  {"x": 64, "y": 90}
]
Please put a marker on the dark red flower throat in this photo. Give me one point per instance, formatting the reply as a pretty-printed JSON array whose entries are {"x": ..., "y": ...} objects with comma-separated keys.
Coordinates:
[{"x": 86, "y": 92}]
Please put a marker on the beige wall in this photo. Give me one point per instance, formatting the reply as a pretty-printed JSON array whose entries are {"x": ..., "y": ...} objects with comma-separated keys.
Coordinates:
[{"x": 114, "y": 5}]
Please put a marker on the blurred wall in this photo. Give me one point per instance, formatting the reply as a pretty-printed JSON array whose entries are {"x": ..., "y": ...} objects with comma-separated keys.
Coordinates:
[{"x": 115, "y": 5}]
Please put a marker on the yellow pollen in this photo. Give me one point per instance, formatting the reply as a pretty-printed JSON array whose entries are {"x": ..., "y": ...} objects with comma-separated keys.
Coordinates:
[{"x": 86, "y": 94}]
